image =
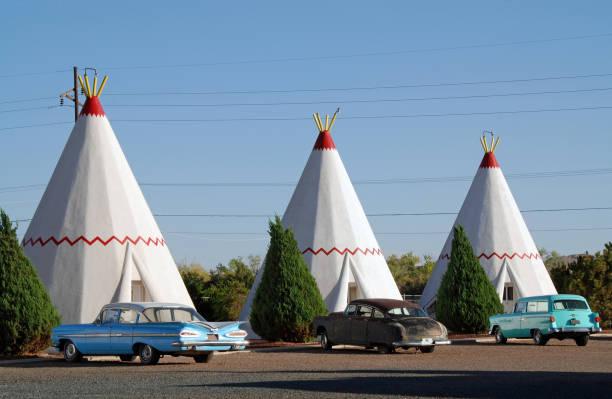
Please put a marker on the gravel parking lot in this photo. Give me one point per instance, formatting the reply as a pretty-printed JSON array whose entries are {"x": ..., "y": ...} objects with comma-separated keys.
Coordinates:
[{"x": 464, "y": 369}]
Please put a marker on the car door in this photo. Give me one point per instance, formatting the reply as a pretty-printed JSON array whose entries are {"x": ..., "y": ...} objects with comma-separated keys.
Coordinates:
[
  {"x": 341, "y": 326},
  {"x": 511, "y": 327},
  {"x": 536, "y": 317},
  {"x": 121, "y": 335},
  {"x": 98, "y": 334},
  {"x": 359, "y": 325}
]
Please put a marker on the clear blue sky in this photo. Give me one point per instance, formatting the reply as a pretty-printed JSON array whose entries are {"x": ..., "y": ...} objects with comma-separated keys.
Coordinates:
[{"x": 153, "y": 47}]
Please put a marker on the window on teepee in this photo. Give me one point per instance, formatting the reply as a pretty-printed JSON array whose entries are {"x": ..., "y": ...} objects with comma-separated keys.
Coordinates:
[{"x": 508, "y": 292}]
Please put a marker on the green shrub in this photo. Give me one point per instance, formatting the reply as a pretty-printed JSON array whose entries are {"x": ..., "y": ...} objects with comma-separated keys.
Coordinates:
[
  {"x": 26, "y": 312},
  {"x": 288, "y": 297},
  {"x": 591, "y": 277},
  {"x": 466, "y": 297}
]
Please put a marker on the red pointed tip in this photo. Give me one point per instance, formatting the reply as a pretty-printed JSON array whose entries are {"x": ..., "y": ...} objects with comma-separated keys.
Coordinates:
[
  {"x": 489, "y": 161},
  {"x": 92, "y": 107},
  {"x": 324, "y": 142}
]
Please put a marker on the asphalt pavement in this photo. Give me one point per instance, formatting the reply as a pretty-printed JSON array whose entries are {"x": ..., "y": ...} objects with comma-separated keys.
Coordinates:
[{"x": 466, "y": 369}]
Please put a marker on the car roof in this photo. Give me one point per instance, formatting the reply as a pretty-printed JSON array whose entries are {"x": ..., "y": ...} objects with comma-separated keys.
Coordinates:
[
  {"x": 141, "y": 306},
  {"x": 384, "y": 303},
  {"x": 553, "y": 297}
]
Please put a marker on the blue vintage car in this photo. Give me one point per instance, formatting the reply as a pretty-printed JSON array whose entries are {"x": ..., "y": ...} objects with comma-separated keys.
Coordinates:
[
  {"x": 546, "y": 317},
  {"x": 149, "y": 330}
]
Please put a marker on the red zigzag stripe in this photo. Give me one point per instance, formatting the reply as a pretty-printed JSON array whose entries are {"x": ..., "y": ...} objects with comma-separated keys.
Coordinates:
[
  {"x": 147, "y": 241},
  {"x": 373, "y": 251},
  {"x": 504, "y": 255}
]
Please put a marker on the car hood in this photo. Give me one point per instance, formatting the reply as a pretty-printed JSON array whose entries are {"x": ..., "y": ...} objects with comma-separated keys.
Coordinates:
[{"x": 421, "y": 326}]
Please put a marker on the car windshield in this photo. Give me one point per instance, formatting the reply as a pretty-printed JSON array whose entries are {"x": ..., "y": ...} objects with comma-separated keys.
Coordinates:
[
  {"x": 164, "y": 315},
  {"x": 404, "y": 311},
  {"x": 570, "y": 304}
]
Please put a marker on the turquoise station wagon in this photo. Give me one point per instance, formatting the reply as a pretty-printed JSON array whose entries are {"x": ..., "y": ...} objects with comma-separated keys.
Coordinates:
[
  {"x": 149, "y": 330},
  {"x": 545, "y": 317}
]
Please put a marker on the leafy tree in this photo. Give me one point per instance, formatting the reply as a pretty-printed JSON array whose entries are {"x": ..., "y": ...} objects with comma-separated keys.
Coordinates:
[
  {"x": 196, "y": 280},
  {"x": 591, "y": 277},
  {"x": 288, "y": 297},
  {"x": 551, "y": 259},
  {"x": 466, "y": 297},
  {"x": 220, "y": 293},
  {"x": 26, "y": 312},
  {"x": 409, "y": 276}
]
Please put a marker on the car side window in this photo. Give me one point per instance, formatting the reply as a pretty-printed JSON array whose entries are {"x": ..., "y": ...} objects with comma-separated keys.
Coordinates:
[
  {"x": 110, "y": 316},
  {"x": 378, "y": 314},
  {"x": 350, "y": 310},
  {"x": 128, "y": 316},
  {"x": 364, "y": 311},
  {"x": 520, "y": 307},
  {"x": 537, "y": 306}
]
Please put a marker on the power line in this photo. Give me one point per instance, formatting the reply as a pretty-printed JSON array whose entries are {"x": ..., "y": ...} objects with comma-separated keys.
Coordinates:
[
  {"x": 357, "y": 88},
  {"x": 411, "y": 180},
  {"x": 367, "y": 101},
  {"x": 383, "y": 87},
  {"x": 36, "y": 125},
  {"x": 234, "y": 215},
  {"x": 29, "y": 109},
  {"x": 361, "y": 55},
  {"x": 328, "y": 57},
  {"x": 362, "y": 117}
]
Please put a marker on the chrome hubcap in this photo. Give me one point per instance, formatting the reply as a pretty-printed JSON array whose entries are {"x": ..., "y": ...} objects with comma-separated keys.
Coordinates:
[
  {"x": 70, "y": 350},
  {"x": 145, "y": 353}
]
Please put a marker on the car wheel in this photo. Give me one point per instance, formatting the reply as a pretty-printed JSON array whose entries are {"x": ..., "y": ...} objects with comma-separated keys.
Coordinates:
[
  {"x": 427, "y": 349},
  {"x": 539, "y": 338},
  {"x": 499, "y": 336},
  {"x": 325, "y": 344},
  {"x": 148, "y": 355},
  {"x": 204, "y": 358},
  {"x": 385, "y": 349},
  {"x": 71, "y": 353},
  {"x": 582, "y": 340},
  {"x": 127, "y": 358}
]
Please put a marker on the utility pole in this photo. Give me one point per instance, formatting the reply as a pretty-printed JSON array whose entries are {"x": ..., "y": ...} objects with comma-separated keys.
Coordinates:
[
  {"x": 76, "y": 93},
  {"x": 68, "y": 93}
]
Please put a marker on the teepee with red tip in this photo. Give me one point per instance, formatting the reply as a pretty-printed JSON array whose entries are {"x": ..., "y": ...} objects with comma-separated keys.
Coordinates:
[
  {"x": 93, "y": 238},
  {"x": 333, "y": 231},
  {"x": 496, "y": 229}
]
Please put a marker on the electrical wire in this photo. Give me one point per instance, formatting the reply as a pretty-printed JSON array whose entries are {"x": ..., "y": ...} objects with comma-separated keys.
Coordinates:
[
  {"x": 412, "y": 180},
  {"x": 367, "y": 101}
]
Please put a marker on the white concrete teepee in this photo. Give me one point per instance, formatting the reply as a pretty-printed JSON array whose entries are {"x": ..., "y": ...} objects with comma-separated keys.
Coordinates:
[
  {"x": 333, "y": 232},
  {"x": 496, "y": 229},
  {"x": 93, "y": 238}
]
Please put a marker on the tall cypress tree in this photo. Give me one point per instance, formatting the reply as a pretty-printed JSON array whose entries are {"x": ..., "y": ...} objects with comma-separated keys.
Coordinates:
[
  {"x": 466, "y": 297},
  {"x": 26, "y": 312},
  {"x": 288, "y": 297}
]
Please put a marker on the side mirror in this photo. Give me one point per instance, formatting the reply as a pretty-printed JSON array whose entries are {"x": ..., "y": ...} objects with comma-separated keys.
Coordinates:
[{"x": 97, "y": 322}]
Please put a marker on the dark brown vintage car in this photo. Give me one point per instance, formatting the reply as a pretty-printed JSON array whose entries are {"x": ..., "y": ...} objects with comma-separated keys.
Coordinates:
[{"x": 385, "y": 324}]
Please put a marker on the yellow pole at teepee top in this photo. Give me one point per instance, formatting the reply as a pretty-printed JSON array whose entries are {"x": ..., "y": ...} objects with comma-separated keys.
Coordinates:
[
  {"x": 316, "y": 121},
  {"x": 496, "y": 143},
  {"x": 102, "y": 85},
  {"x": 492, "y": 138},
  {"x": 326, "y": 122},
  {"x": 87, "y": 86},
  {"x": 332, "y": 121},
  {"x": 484, "y": 144},
  {"x": 95, "y": 83}
]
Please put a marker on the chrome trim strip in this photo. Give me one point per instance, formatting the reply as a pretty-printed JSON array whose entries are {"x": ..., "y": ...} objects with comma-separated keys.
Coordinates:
[
  {"x": 420, "y": 343},
  {"x": 187, "y": 344},
  {"x": 591, "y": 330},
  {"x": 108, "y": 335}
]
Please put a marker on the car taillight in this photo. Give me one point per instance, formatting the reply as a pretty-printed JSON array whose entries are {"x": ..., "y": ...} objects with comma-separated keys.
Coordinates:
[
  {"x": 597, "y": 319},
  {"x": 189, "y": 334},
  {"x": 238, "y": 333},
  {"x": 552, "y": 319}
]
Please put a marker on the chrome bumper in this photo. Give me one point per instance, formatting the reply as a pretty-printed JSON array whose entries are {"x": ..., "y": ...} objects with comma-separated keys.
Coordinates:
[
  {"x": 591, "y": 330},
  {"x": 189, "y": 344},
  {"x": 421, "y": 343}
]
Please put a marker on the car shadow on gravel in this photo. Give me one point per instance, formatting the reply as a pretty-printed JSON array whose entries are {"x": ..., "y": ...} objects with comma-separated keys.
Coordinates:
[
  {"x": 422, "y": 383},
  {"x": 61, "y": 363}
]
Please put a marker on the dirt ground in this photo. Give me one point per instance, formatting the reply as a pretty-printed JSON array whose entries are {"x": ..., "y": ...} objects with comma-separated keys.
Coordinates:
[{"x": 465, "y": 369}]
